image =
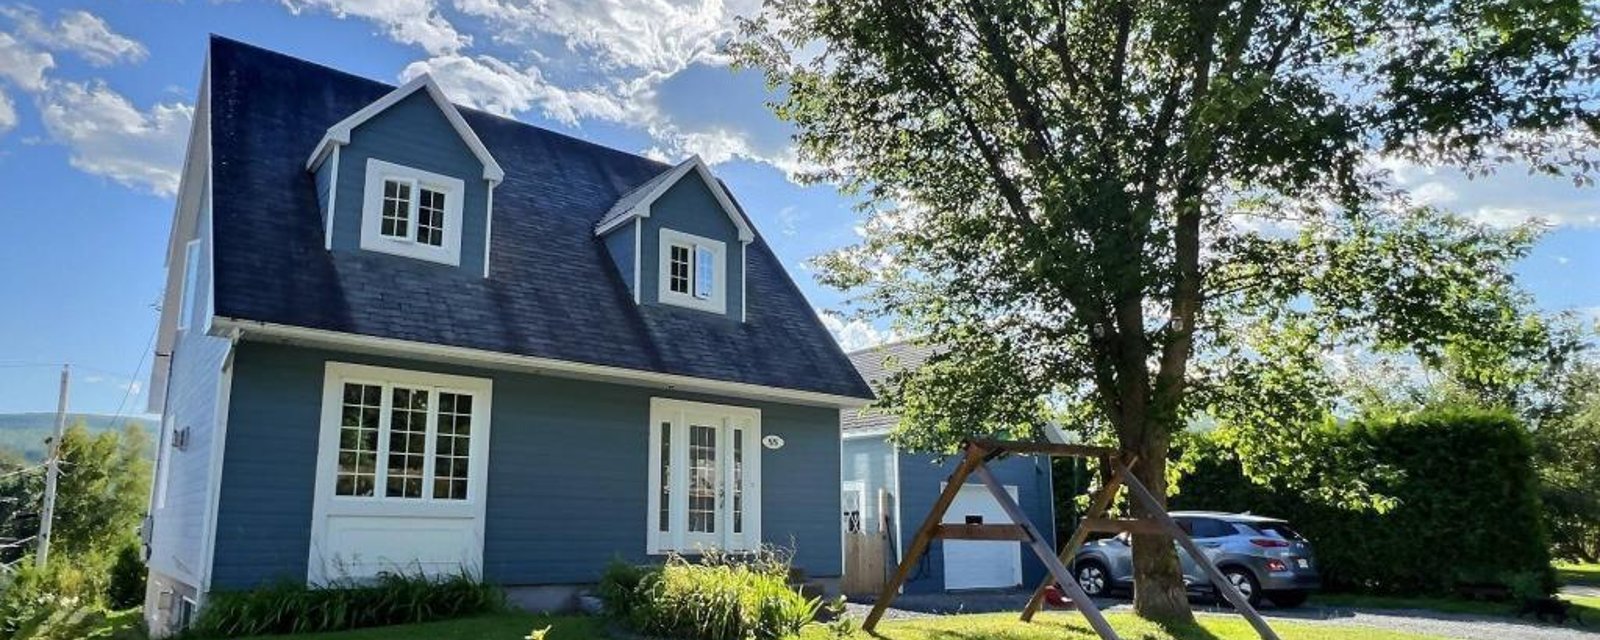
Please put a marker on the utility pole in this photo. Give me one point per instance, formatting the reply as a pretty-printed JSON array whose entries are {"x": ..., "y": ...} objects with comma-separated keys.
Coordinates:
[{"x": 52, "y": 473}]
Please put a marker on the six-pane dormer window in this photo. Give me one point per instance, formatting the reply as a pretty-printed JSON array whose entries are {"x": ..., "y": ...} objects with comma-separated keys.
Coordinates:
[
  {"x": 678, "y": 269},
  {"x": 411, "y": 212},
  {"x": 396, "y": 209}
]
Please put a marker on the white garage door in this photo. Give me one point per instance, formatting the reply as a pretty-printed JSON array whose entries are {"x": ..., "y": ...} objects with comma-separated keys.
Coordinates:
[{"x": 980, "y": 564}]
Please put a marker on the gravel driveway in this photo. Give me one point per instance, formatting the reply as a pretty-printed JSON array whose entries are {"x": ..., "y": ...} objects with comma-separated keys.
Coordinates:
[{"x": 1446, "y": 625}]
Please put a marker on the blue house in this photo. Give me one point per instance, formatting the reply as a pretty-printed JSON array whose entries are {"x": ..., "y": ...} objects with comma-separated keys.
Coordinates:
[
  {"x": 889, "y": 492},
  {"x": 406, "y": 335}
]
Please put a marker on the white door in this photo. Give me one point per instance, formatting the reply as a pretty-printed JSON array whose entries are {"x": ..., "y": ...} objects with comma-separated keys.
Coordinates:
[{"x": 980, "y": 564}]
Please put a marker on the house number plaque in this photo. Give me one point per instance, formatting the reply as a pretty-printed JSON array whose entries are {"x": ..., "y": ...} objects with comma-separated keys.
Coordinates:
[{"x": 772, "y": 441}]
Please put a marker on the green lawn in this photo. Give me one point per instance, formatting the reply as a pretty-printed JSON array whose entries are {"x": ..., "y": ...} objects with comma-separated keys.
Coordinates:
[
  {"x": 1579, "y": 574},
  {"x": 1048, "y": 626}
]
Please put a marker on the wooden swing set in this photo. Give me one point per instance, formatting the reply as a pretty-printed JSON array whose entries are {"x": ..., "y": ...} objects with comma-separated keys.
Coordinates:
[{"x": 975, "y": 461}]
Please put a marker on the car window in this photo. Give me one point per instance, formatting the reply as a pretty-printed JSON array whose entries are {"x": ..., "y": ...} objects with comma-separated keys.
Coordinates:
[
  {"x": 1210, "y": 528},
  {"x": 1280, "y": 530}
]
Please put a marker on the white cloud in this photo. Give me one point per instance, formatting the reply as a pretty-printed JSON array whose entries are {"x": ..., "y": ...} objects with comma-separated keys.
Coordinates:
[
  {"x": 488, "y": 83},
  {"x": 108, "y": 136},
  {"x": 659, "y": 36},
  {"x": 90, "y": 37},
  {"x": 854, "y": 335},
  {"x": 1505, "y": 198},
  {"x": 22, "y": 64},
  {"x": 415, "y": 22},
  {"x": 79, "y": 32},
  {"x": 8, "y": 113}
]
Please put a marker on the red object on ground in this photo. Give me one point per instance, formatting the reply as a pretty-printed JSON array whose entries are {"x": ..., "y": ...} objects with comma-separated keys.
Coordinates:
[{"x": 1053, "y": 597}]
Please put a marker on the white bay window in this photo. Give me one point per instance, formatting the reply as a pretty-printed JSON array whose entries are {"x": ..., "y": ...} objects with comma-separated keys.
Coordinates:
[
  {"x": 401, "y": 469},
  {"x": 705, "y": 471}
]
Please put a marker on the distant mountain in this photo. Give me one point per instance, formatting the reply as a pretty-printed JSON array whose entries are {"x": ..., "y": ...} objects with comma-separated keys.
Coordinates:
[{"x": 27, "y": 432}]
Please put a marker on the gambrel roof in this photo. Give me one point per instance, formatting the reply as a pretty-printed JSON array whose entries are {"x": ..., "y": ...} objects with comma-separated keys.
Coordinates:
[{"x": 553, "y": 292}]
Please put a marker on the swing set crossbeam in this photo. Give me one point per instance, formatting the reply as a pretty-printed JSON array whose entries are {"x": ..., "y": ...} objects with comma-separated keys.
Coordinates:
[{"x": 974, "y": 463}]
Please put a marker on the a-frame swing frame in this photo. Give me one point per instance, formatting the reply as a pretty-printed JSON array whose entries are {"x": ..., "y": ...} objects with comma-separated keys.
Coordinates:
[{"x": 977, "y": 454}]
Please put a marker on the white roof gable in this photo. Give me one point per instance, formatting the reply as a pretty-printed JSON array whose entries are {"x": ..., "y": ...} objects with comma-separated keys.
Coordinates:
[
  {"x": 636, "y": 203},
  {"x": 339, "y": 133}
]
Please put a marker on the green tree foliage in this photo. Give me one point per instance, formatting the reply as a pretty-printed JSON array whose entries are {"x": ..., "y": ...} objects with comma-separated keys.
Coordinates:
[
  {"x": 1108, "y": 205},
  {"x": 1464, "y": 502},
  {"x": 103, "y": 491},
  {"x": 1567, "y": 449}
]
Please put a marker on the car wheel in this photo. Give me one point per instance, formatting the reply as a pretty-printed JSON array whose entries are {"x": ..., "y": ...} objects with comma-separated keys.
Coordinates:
[
  {"x": 1245, "y": 582},
  {"x": 1289, "y": 599},
  {"x": 1093, "y": 578}
]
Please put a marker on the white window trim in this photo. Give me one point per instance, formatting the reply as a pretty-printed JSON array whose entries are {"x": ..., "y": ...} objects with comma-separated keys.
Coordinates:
[
  {"x": 372, "y": 238},
  {"x": 718, "y": 302},
  {"x": 326, "y": 504},
  {"x": 191, "y": 285},
  {"x": 670, "y": 410}
]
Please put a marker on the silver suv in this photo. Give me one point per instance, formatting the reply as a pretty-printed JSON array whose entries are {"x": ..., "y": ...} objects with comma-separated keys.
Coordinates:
[{"x": 1263, "y": 557}]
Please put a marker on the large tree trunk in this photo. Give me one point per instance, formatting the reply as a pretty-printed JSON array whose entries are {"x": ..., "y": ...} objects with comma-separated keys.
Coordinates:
[{"x": 1158, "y": 589}]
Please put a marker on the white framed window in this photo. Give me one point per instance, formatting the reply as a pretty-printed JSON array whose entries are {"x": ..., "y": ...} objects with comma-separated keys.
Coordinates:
[
  {"x": 705, "y": 477},
  {"x": 693, "y": 271},
  {"x": 191, "y": 282},
  {"x": 411, "y": 212},
  {"x": 402, "y": 470},
  {"x": 405, "y": 436}
]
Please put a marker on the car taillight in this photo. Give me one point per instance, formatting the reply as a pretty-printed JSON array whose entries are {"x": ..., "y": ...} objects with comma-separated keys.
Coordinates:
[
  {"x": 1276, "y": 565},
  {"x": 1269, "y": 543}
]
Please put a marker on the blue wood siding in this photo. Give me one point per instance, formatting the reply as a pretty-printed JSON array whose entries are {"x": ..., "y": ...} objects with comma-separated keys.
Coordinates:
[
  {"x": 178, "y": 521},
  {"x": 920, "y": 477},
  {"x": 870, "y": 461},
  {"x": 690, "y": 207},
  {"x": 413, "y": 133},
  {"x": 324, "y": 179},
  {"x": 567, "y": 472},
  {"x": 619, "y": 245}
]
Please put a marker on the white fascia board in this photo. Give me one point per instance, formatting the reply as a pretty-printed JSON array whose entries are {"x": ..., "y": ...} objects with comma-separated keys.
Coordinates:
[
  {"x": 339, "y": 133},
  {"x": 862, "y": 434},
  {"x": 322, "y": 338},
  {"x": 185, "y": 222},
  {"x": 697, "y": 165}
]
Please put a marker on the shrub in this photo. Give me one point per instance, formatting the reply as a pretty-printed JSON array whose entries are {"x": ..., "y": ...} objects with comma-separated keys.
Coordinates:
[
  {"x": 720, "y": 598},
  {"x": 1466, "y": 506},
  {"x": 48, "y": 602},
  {"x": 127, "y": 580},
  {"x": 391, "y": 598}
]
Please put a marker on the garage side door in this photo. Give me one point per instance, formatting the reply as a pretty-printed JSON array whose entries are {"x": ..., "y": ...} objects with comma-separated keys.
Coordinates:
[{"x": 980, "y": 564}]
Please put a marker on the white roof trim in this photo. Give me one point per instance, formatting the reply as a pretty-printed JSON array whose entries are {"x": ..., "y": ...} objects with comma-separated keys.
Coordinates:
[
  {"x": 357, "y": 343},
  {"x": 642, "y": 209},
  {"x": 340, "y": 133}
]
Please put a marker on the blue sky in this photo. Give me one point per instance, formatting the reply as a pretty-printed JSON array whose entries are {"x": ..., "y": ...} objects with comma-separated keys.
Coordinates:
[{"x": 96, "y": 97}]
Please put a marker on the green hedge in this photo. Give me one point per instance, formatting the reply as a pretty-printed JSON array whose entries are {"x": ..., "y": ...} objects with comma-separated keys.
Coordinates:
[{"x": 1467, "y": 507}]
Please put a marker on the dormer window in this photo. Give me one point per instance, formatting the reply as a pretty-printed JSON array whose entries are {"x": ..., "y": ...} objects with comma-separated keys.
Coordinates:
[
  {"x": 412, "y": 213},
  {"x": 693, "y": 271}
]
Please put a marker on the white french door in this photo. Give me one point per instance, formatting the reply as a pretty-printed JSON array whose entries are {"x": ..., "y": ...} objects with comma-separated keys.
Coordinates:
[{"x": 705, "y": 476}]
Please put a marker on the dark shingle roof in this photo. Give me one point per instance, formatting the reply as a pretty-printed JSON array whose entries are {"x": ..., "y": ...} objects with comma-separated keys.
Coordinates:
[
  {"x": 876, "y": 364},
  {"x": 552, "y": 292}
]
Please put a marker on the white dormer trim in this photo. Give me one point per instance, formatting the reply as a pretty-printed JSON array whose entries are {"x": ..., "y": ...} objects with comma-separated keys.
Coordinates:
[
  {"x": 339, "y": 134},
  {"x": 694, "y": 163}
]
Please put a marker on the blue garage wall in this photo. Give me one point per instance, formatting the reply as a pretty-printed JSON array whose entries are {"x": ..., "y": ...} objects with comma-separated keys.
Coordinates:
[
  {"x": 567, "y": 472},
  {"x": 920, "y": 478}
]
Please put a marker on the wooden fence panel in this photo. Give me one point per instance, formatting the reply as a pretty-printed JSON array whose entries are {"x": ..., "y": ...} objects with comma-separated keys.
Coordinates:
[{"x": 863, "y": 563}]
